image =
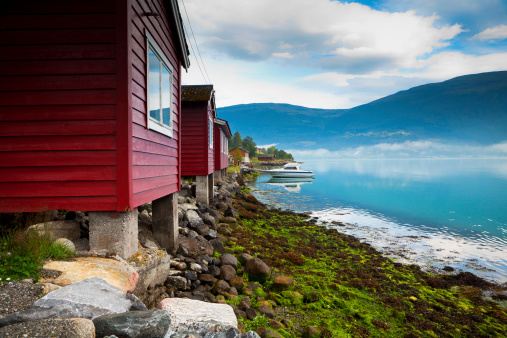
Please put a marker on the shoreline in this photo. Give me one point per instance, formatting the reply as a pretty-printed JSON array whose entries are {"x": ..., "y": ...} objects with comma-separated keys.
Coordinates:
[{"x": 437, "y": 253}]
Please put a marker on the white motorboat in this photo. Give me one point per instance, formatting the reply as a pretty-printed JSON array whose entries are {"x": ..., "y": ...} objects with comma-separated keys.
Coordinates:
[{"x": 290, "y": 170}]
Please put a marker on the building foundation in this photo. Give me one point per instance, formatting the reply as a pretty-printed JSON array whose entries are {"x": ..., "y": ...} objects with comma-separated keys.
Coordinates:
[
  {"x": 202, "y": 189},
  {"x": 211, "y": 187},
  {"x": 165, "y": 222},
  {"x": 114, "y": 232}
]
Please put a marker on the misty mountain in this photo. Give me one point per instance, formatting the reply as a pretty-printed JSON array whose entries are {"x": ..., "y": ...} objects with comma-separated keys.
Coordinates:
[{"x": 469, "y": 109}]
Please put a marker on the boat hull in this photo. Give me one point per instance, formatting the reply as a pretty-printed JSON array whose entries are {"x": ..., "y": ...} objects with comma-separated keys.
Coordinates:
[{"x": 307, "y": 174}]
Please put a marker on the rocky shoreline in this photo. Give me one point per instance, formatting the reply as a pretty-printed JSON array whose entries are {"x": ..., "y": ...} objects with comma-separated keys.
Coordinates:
[{"x": 271, "y": 271}]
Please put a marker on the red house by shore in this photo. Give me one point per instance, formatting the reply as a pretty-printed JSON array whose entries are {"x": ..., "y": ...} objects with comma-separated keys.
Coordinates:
[
  {"x": 222, "y": 134},
  {"x": 90, "y": 114},
  {"x": 198, "y": 157}
]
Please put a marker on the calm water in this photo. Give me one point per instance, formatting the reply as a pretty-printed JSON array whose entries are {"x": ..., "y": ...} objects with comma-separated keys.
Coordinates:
[{"x": 432, "y": 212}]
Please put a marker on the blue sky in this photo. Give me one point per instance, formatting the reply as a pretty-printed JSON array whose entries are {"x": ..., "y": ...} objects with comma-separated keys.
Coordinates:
[{"x": 335, "y": 54}]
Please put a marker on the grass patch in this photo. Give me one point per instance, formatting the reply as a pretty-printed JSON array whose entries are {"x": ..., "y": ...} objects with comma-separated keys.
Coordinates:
[
  {"x": 233, "y": 168},
  {"x": 22, "y": 253}
]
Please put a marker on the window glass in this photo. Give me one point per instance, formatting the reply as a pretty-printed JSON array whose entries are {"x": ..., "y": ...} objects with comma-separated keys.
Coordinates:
[
  {"x": 166, "y": 96},
  {"x": 210, "y": 129},
  {"x": 154, "y": 85}
]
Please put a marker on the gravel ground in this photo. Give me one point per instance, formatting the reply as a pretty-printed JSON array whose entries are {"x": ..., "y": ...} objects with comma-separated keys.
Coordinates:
[{"x": 18, "y": 296}]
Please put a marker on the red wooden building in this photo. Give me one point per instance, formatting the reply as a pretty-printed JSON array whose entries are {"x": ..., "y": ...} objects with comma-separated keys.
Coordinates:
[
  {"x": 222, "y": 134},
  {"x": 197, "y": 143},
  {"x": 90, "y": 104}
]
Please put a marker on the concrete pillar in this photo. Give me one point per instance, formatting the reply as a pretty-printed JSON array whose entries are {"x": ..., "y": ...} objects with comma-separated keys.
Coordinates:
[
  {"x": 114, "y": 232},
  {"x": 202, "y": 189},
  {"x": 165, "y": 222},
  {"x": 211, "y": 185}
]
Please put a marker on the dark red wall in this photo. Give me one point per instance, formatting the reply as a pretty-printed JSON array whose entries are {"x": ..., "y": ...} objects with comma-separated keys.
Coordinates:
[
  {"x": 72, "y": 106},
  {"x": 197, "y": 158},
  {"x": 221, "y": 159}
]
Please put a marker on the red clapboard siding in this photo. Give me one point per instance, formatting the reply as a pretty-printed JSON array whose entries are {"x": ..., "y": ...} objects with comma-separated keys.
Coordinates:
[
  {"x": 95, "y": 203},
  {"x": 57, "y": 52},
  {"x": 60, "y": 158},
  {"x": 41, "y": 174},
  {"x": 57, "y": 112},
  {"x": 57, "y": 36},
  {"x": 141, "y": 171},
  {"x": 48, "y": 189},
  {"x": 56, "y": 82},
  {"x": 150, "y": 195},
  {"x": 37, "y": 128},
  {"x": 26, "y": 98},
  {"x": 150, "y": 183},
  {"x": 194, "y": 142},
  {"x": 42, "y": 67},
  {"x": 57, "y": 21},
  {"x": 67, "y": 142}
]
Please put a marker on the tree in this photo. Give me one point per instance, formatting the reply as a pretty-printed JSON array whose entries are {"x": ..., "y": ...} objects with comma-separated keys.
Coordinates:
[
  {"x": 271, "y": 150},
  {"x": 250, "y": 145},
  {"x": 236, "y": 141}
]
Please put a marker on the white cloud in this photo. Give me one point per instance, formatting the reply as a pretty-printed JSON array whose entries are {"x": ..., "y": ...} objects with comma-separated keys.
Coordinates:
[
  {"x": 494, "y": 33},
  {"x": 266, "y": 146},
  {"x": 283, "y": 55}
]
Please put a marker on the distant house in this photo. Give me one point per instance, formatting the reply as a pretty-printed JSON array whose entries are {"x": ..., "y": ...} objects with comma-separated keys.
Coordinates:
[
  {"x": 221, "y": 134},
  {"x": 90, "y": 113},
  {"x": 266, "y": 157},
  {"x": 243, "y": 152},
  {"x": 198, "y": 122}
]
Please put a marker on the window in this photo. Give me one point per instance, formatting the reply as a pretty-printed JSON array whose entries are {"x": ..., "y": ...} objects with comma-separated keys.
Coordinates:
[
  {"x": 210, "y": 133},
  {"x": 159, "y": 98}
]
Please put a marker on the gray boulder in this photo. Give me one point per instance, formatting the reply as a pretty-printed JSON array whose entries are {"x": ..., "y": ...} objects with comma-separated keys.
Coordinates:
[
  {"x": 257, "y": 270},
  {"x": 209, "y": 220},
  {"x": 89, "y": 298},
  {"x": 228, "y": 259},
  {"x": 193, "y": 219},
  {"x": 193, "y": 247},
  {"x": 153, "y": 323}
]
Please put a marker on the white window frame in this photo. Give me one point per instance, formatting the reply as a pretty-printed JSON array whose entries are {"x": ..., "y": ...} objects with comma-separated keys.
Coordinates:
[
  {"x": 210, "y": 131},
  {"x": 154, "y": 124}
]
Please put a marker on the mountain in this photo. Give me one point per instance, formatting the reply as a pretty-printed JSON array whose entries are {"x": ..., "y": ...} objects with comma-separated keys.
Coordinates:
[{"x": 470, "y": 109}]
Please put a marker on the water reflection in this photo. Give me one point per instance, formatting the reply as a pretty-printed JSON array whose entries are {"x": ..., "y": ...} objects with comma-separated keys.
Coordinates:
[{"x": 290, "y": 184}]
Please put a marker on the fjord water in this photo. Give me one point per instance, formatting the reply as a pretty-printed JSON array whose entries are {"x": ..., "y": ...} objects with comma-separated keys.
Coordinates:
[{"x": 434, "y": 212}]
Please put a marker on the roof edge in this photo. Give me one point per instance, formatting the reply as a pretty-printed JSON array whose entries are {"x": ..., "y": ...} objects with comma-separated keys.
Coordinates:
[{"x": 181, "y": 33}]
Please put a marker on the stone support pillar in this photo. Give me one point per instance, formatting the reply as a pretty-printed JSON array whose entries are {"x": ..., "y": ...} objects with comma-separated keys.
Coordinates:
[
  {"x": 211, "y": 185},
  {"x": 114, "y": 232},
  {"x": 202, "y": 189},
  {"x": 165, "y": 222}
]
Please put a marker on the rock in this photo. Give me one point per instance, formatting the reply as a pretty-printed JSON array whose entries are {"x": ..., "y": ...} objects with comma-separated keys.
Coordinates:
[
  {"x": 244, "y": 257},
  {"x": 271, "y": 334},
  {"x": 186, "y": 334},
  {"x": 59, "y": 229},
  {"x": 196, "y": 267},
  {"x": 233, "y": 292},
  {"x": 202, "y": 229},
  {"x": 210, "y": 235},
  {"x": 257, "y": 269},
  {"x": 49, "y": 287},
  {"x": 311, "y": 332},
  {"x": 267, "y": 311},
  {"x": 207, "y": 278},
  {"x": 121, "y": 275},
  {"x": 237, "y": 282},
  {"x": 152, "y": 323},
  {"x": 192, "y": 315},
  {"x": 152, "y": 267},
  {"x": 214, "y": 270},
  {"x": 282, "y": 282},
  {"x": 275, "y": 324},
  {"x": 251, "y": 313},
  {"x": 204, "y": 259},
  {"x": 191, "y": 275},
  {"x": 178, "y": 265},
  {"x": 251, "y": 334},
  {"x": 144, "y": 222},
  {"x": 228, "y": 259},
  {"x": 218, "y": 245},
  {"x": 227, "y": 272},
  {"x": 221, "y": 286},
  {"x": 178, "y": 282},
  {"x": 72, "y": 327},
  {"x": 67, "y": 243},
  {"x": 195, "y": 246},
  {"x": 209, "y": 220},
  {"x": 90, "y": 298},
  {"x": 230, "y": 333},
  {"x": 187, "y": 206},
  {"x": 244, "y": 304},
  {"x": 193, "y": 219},
  {"x": 229, "y": 219},
  {"x": 448, "y": 268},
  {"x": 231, "y": 212}
]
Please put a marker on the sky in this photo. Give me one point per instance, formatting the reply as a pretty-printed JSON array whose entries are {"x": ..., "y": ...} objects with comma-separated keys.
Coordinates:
[{"x": 336, "y": 54}]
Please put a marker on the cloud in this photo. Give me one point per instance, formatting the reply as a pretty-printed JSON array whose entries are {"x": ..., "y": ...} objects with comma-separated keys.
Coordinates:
[
  {"x": 266, "y": 146},
  {"x": 408, "y": 149},
  {"x": 348, "y": 37},
  {"x": 494, "y": 33}
]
